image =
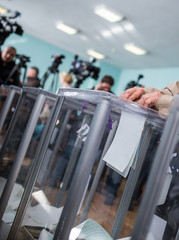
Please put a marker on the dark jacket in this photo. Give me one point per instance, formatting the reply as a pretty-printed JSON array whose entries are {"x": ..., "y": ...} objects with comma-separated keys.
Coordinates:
[{"x": 5, "y": 71}]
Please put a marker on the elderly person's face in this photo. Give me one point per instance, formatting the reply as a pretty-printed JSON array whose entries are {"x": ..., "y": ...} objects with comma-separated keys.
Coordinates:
[{"x": 8, "y": 54}]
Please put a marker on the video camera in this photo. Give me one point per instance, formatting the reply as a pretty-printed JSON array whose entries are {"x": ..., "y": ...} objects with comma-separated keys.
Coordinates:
[
  {"x": 83, "y": 69},
  {"x": 132, "y": 83},
  {"x": 57, "y": 59},
  {"x": 23, "y": 58},
  {"x": 8, "y": 26}
]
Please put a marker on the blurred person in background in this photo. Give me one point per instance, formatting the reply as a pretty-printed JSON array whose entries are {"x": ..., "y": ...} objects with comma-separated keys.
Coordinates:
[
  {"x": 32, "y": 77},
  {"x": 105, "y": 84},
  {"x": 9, "y": 75},
  {"x": 66, "y": 79}
]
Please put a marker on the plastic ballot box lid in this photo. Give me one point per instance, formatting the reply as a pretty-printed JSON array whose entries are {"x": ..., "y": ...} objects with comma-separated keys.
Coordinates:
[{"x": 117, "y": 103}]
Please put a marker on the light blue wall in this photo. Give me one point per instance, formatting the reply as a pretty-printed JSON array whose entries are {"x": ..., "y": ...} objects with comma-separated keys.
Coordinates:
[
  {"x": 40, "y": 54},
  {"x": 157, "y": 78}
]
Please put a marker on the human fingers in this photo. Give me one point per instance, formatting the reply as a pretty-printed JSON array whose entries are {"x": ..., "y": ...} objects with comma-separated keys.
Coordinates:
[
  {"x": 126, "y": 94},
  {"x": 136, "y": 93},
  {"x": 140, "y": 101},
  {"x": 150, "y": 98},
  {"x": 131, "y": 93},
  {"x": 148, "y": 102},
  {"x": 145, "y": 100}
]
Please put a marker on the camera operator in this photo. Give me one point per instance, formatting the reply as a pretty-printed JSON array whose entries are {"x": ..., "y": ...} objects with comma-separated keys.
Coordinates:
[
  {"x": 32, "y": 77},
  {"x": 7, "y": 65},
  {"x": 105, "y": 84}
]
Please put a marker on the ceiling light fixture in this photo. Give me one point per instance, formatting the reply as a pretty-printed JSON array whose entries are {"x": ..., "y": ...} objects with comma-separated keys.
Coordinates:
[
  {"x": 106, "y": 34},
  {"x": 128, "y": 26},
  {"x": 3, "y": 10},
  {"x": 117, "y": 29},
  {"x": 95, "y": 54},
  {"x": 108, "y": 14},
  {"x": 67, "y": 29},
  {"x": 130, "y": 47}
]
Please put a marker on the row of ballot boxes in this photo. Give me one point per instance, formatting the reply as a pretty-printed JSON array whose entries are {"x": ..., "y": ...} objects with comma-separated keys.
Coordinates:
[{"x": 75, "y": 162}]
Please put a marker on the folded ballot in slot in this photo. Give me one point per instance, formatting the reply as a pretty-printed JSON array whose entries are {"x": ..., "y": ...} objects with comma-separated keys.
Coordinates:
[{"x": 125, "y": 143}]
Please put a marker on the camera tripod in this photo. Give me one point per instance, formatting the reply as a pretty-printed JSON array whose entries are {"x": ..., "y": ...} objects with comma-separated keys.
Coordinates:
[
  {"x": 52, "y": 70},
  {"x": 47, "y": 74},
  {"x": 79, "y": 81}
]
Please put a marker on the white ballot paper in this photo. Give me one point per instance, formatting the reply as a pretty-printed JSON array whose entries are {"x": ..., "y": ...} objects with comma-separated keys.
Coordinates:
[
  {"x": 44, "y": 235},
  {"x": 89, "y": 230},
  {"x": 121, "y": 153},
  {"x": 157, "y": 228},
  {"x": 42, "y": 215}
]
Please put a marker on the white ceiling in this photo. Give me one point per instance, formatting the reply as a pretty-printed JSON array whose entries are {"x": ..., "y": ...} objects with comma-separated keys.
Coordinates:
[{"x": 156, "y": 28}]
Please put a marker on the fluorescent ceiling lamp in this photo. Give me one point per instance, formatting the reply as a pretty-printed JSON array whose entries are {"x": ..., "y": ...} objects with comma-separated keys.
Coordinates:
[
  {"x": 67, "y": 29},
  {"x": 108, "y": 15},
  {"x": 128, "y": 26},
  {"x": 117, "y": 29},
  {"x": 95, "y": 54},
  {"x": 3, "y": 10},
  {"x": 106, "y": 34},
  {"x": 130, "y": 47}
]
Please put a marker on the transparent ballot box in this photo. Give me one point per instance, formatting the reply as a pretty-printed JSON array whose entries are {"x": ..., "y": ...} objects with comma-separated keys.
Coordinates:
[
  {"x": 158, "y": 215},
  {"x": 26, "y": 133},
  {"x": 80, "y": 164},
  {"x": 8, "y": 109}
]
